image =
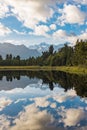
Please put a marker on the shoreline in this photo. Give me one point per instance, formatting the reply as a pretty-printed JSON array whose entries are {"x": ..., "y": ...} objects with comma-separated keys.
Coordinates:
[{"x": 68, "y": 69}]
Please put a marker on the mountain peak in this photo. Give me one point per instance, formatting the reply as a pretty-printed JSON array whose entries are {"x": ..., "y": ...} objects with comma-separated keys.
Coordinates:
[
  {"x": 43, "y": 46},
  {"x": 43, "y": 43},
  {"x": 21, "y": 50}
]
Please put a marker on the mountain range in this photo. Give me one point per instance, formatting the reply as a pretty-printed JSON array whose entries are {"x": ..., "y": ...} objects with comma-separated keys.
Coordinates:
[
  {"x": 25, "y": 52},
  {"x": 45, "y": 46},
  {"x": 21, "y": 50}
]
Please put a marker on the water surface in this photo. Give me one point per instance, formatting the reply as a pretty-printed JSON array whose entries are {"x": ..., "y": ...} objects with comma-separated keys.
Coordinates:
[{"x": 40, "y": 100}]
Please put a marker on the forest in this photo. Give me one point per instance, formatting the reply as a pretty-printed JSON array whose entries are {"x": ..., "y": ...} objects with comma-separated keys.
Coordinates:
[{"x": 65, "y": 56}]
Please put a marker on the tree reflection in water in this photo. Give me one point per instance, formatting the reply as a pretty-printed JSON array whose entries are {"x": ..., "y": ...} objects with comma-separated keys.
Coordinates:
[{"x": 64, "y": 80}]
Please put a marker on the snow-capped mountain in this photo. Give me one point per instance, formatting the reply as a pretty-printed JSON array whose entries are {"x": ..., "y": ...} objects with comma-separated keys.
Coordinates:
[
  {"x": 44, "y": 47},
  {"x": 40, "y": 47}
]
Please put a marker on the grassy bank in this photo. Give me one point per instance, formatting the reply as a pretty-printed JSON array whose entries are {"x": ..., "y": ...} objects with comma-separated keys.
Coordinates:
[{"x": 74, "y": 69}]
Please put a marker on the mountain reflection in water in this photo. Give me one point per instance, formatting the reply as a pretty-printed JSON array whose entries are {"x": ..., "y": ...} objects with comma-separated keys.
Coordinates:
[
  {"x": 64, "y": 80},
  {"x": 42, "y": 100}
]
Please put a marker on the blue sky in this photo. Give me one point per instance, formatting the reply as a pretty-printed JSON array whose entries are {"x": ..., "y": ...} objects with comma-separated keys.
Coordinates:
[{"x": 31, "y": 22}]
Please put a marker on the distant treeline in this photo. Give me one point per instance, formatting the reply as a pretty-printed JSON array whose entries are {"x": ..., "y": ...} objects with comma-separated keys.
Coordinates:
[{"x": 67, "y": 55}]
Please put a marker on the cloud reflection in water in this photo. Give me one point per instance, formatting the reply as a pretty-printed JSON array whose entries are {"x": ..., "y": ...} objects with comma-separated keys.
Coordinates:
[{"x": 48, "y": 112}]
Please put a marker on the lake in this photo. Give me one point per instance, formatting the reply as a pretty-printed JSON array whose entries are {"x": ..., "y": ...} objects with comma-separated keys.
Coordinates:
[{"x": 42, "y": 100}]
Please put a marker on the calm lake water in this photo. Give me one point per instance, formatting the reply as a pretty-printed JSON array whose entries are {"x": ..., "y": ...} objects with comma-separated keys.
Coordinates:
[{"x": 38, "y": 100}]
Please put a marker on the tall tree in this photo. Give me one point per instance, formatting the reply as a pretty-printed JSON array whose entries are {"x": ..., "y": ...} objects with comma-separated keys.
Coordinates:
[{"x": 51, "y": 49}]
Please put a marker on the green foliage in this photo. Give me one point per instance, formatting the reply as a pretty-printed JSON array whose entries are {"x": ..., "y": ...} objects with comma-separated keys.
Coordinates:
[
  {"x": 51, "y": 50},
  {"x": 80, "y": 53},
  {"x": 66, "y": 56}
]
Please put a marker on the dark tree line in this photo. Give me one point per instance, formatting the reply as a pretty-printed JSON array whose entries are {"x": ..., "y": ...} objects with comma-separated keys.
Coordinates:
[{"x": 66, "y": 55}]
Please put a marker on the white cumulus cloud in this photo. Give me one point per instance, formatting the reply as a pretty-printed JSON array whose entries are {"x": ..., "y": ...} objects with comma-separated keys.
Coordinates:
[
  {"x": 63, "y": 36},
  {"x": 71, "y": 14},
  {"x": 81, "y": 1},
  {"x": 4, "y": 122},
  {"x": 53, "y": 26},
  {"x": 32, "y": 119},
  {"x": 4, "y": 102},
  {"x": 4, "y": 30},
  {"x": 31, "y": 12},
  {"x": 53, "y": 105},
  {"x": 61, "y": 97},
  {"x": 3, "y": 9},
  {"x": 73, "y": 116},
  {"x": 40, "y": 30},
  {"x": 41, "y": 102},
  {"x": 59, "y": 34}
]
